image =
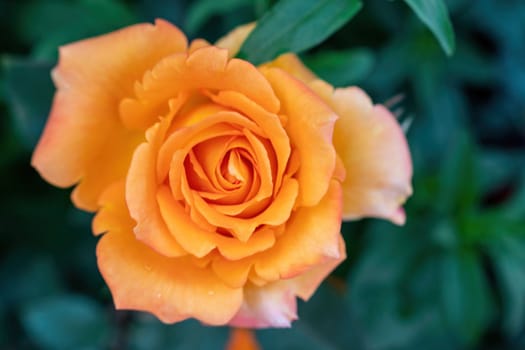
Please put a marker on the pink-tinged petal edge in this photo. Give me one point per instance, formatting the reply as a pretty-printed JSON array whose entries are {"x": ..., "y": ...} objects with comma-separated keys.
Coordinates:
[{"x": 375, "y": 153}]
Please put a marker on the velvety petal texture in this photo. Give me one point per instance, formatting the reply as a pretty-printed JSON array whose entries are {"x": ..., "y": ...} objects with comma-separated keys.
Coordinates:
[
  {"x": 219, "y": 187},
  {"x": 84, "y": 129},
  {"x": 374, "y": 150}
]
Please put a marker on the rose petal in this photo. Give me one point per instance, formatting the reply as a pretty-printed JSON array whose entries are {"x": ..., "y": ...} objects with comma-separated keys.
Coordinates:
[
  {"x": 113, "y": 213},
  {"x": 141, "y": 189},
  {"x": 291, "y": 64},
  {"x": 233, "y": 273},
  {"x": 184, "y": 139},
  {"x": 311, "y": 237},
  {"x": 307, "y": 283},
  {"x": 233, "y": 249},
  {"x": 206, "y": 68},
  {"x": 171, "y": 288},
  {"x": 269, "y": 123},
  {"x": 310, "y": 128},
  {"x": 198, "y": 241},
  {"x": 273, "y": 305},
  {"x": 192, "y": 238},
  {"x": 242, "y": 228},
  {"x": 375, "y": 153},
  {"x": 84, "y": 120}
]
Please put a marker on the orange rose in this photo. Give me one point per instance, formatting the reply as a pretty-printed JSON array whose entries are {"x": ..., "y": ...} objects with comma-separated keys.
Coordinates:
[{"x": 219, "y": 186}]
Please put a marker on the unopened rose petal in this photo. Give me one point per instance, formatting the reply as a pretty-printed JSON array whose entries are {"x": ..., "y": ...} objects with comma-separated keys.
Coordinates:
[
  {"x": 273, "y": 305},
  {"x": 375, "y": 153},
  {"x": 84, "y": 116},
  {"x": 310, "y": 238},
  {"x": 248, "y": 207},
  {"x": 270, "y": 126},
  {"x": 310, "y": 126},
  {"x": 185, "y": 139},
  {"x": 171, "y": 288}
]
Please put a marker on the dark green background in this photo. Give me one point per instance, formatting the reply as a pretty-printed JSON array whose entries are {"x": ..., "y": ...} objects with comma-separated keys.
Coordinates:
[{"x": 452, "y": 278}]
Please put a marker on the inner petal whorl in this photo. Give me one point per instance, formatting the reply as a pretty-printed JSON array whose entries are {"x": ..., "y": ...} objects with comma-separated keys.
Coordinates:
[{"x": 235, "y": 169}]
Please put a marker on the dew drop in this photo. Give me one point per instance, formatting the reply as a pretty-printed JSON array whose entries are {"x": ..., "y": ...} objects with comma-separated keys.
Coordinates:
[{"x": 211, "y": 292}]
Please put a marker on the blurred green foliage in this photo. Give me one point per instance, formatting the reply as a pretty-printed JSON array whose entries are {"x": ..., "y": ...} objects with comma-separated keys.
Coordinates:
[{"x": 452, "y": 278}]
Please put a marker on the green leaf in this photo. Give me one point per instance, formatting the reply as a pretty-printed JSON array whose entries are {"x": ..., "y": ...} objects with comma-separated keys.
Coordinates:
[
  {"x": 342, "y": 68},
  {"x": 296, "y": 25},
  {"x": 29, "y": 91},
  {"x": 498, "y": 167},
  {"x": 435, "y": 16},
  {"x": 458, "y": 184},
  {"x": 466, "y": 298},
  {"x": 379, "y": 306},
  {"x": 507, "y": 252},
  {"x": 66, "y": 322},
  {"x": 515, "y": 207},
  {"x": 510, "y": 274},
  {"x": 201, "y": 11}
]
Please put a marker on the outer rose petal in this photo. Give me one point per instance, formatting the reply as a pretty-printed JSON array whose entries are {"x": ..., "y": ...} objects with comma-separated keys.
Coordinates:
[
  {"x": 273, "y": 305},
  {"x": 375, "y": 153},
  {"x": 140, "y": 279},
  {"x": 91, "y": 78},
  {"x": 172, "y": 289},
  {"x": 307, "y": 283}
]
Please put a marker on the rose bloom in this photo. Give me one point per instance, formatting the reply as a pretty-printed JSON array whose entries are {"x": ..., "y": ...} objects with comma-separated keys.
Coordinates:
[{"x": 219, "y": 186}]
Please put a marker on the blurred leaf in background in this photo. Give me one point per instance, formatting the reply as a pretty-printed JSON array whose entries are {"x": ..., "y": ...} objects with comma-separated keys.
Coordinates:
[
  {"x": 313, "y": 21},
  {"x": 452, "y": 278}
]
